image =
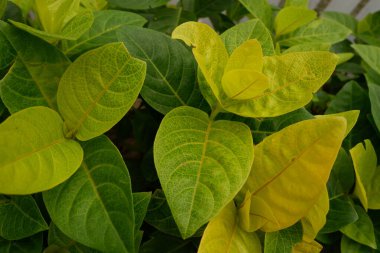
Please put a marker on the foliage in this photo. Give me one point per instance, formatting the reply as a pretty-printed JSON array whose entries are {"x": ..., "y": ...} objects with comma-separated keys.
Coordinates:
[{"x": 126, "y": 124}]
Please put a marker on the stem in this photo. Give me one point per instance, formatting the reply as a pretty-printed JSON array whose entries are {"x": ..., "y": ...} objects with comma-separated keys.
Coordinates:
[{"x": 215, "y": 111}]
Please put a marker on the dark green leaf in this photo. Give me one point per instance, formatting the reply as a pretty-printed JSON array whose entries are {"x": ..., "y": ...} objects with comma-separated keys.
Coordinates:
[
  {"x": 28, "y": 245},
  {"x": 282, "y": 241},
  {"x": 7, "y": 53},
  {"x": 161, "y": 243}
]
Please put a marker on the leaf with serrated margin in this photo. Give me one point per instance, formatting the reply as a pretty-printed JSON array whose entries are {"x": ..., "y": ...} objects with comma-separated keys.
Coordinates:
[
  {"x": 28, "y": 245},
  {"x": 34, "y": 154},
  {"x": 201, "y": 164},
  {"x": 34, "y": 77},
  {"x": 272, "y": 203},
  {"x": 171, "y": 69},
  {"x": 20, "y": 212},
  {"x": 103, "y": 30},
  {"x": 98, "y": 89},
  {"x": 99, "y": 191}
]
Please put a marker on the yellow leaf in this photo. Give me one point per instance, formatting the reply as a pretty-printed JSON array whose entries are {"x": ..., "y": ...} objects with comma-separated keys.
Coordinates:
[
  {"x": 244, "y": 84},
  {"x": 367, "y": 188},
  {"x": 208, "y": 50},
  {"x": 315, "y": 219},
  {"x": 307, "y": 247},
  {"x": 223, "y": 234},
  {"x": 302, "y": 154},
  {"x": 290, "y": 18},
  {"x": 350, "y": 116},
  {"x": 248, "y": 56},
  {"x": 344, "y": 57}
]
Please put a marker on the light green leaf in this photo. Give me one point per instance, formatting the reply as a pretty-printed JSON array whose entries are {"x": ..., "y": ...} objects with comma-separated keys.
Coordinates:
[
  {"x": 369, "y": 54},
  {"x": 34, "y": 154},
  {"x": 72, "y": 31},
  {"x": 367, "y": 188},
  {"x": 282, "y": 241},
  {"x": 344, "y": 57},
  {"x": 3, "y": 6},
  {"x": 252, "y": 29},
  {"x": 99, "y": 191},
  {"x": 189, "y": 147},
  {"x": 34, "y": 77},
  {"x": 95, "y": 5},
  {"x": 247, "y": 56},
  {"x": 208, "y": 49},
  {"x": 103, "y": 30},
  {"x": 224, "y": 235},
  {"x": 28, "y": 245},
  {"x": 307, "y": 247},
  {"x": 20, "y": 217},
  {"x": 308, "y": 47},
  {"x": 297, "y": 3},
  {"x": 260, "y": 9},
  {"x": 272, "y": 203},
  {"x": 345, "y": 19},
  {"x": 171, "y": 69},
  {"x": 98, "y": 89},
  {"x": 137, "y": 4},
  {"x": 362, "y": 230},
  {"x": 291, "y": 18},
  {"x": 321, "y": 31},
  {"x": 293, "y": 78},
  {"x": 350, "y": 246},
  {"x": 374, "y": 96}
]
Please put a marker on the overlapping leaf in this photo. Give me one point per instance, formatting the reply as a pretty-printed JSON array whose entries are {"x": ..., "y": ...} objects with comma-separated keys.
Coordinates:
[{"x": 32, "y": 244}]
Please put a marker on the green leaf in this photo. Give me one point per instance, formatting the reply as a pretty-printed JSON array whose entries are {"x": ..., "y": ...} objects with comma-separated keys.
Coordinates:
[
  {"x": 103, "y": 30},
  {"x": 341, "y": 214},
  {"x": 297, "y": 3},
  {"x": 99, "y": 191},
  {"x": 34, "y": 154},
  {"x": 374, "y": 96},
  {"x": 369, "y": 54},
  {"x": 94, "y": 4},
  {"x": 205, "y": 8},
  {"x": 28, "y": 245},
  {"x": 223, "y": 234},
  {"x": 57, "y": 241},
  {"x": 140, "y": 206},
  {"x": 293, "y": 78},
  {"x": 34, "y": 77},
  {"x": 252, "y": 29},
  {"x": 350, "y": 246},
  {"x": 268, "y": 193},
  {"x": 189, "y": 147},
  {"x": 72, "y": 31},
  {"x": 3, "y": 6},
  {"x": 321, "y": 31},
  {"x": 171, "y": 69},
  {"x": 350, "y": 116},
  {"x": 20, "y": 212},
  {"x": 362, "y": 230},
  {"x": 282, "y": 241},
  {"x": 161, "y": 243},
  {"x": 260, "y": 9},
  {"x": 308, "y": 47},
  {"x": 7, "y": 53},
  {"x": 291, "y": 18},
  {"x": 137, "y": 4},
  {"x": 98, "y": 89},
  {"x": 307, "y": 247},
  {"x": 342, "y": 18}
]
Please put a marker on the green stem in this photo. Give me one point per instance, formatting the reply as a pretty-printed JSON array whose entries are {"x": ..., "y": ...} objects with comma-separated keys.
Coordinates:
[{"x": 215, "y": 111}]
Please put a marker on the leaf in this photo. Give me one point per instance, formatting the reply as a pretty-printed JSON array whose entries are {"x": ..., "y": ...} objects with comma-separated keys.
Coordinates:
[
  {"x": 140, "y": 205},
  {"x": 344, "y": 57},
  {"x": 315, "y": 219},
  {"x": 172, "y": 245},
  {"x": 362, "y": 230},
  {"x": 293, "y": 77},
  {"x": 223, "y": 234},
  {"x": 374, "y": 96},
  {"x": 189, "y": 147},
  {"x": 341, "y": 213},
  {"x": 98, "y": 89},
  {"x": 28, "y": 245},
  {"x": 290, "y": 18},
  {"x": 320, "y": 30},
  {"x": 34, "y": 154},
  {"x": 252, "y": 29},
  {"x": 3, "y": 6},
  {"x": 137, "y": 4},
  {"x": 205, "y": 8},
  {"x": 350, "y": 246},
  {"x": 308, "y": 47},
  {"x": 297, "y": 3},
  {"x": 260, "y": 9},
  {"x": 34, "y": 77},
  {"x": 171, "y": 69},
  {"x": 103, "y": 30},
  {"x": 247, "y": 56},
  {"x": 282, "y": 241},
  {"x": 342, "y": 18},
  {"x": 99, "y": 191},
  {"x": 271, "y": 203},
  {"x": 208, "y": 49},
  {"x": 57, "y": 241},
  {"x": 306, "y": 247},
  {"x": 72, "y": 31},
  {"x": 350, "y": 116},
  {"x": 7, "y": 53},
  {"x": 367, "y": 188},
  {"x": 369, "y": 54}
]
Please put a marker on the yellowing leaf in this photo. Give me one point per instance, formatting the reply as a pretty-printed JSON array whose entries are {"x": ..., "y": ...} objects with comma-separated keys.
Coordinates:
[
  {"x": 290, "y": 18},
  {"x": 208, "y": 49},
  {"x": 302, "y": 154},
  {"x": 367, "y": 187},
  {"x": 344, "y": 57},
  {"x": 315, "y": 219},
  {"x": 293, "y": 79},
  {"x": 34, "y": 154},
  {"x": 248, "y": 56},
  {"x": 307, "y": 247},
  {"x": 244, "y": 84},
  {"x": 350, "y": 116},
  {"x": 224, "y": 235}
]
